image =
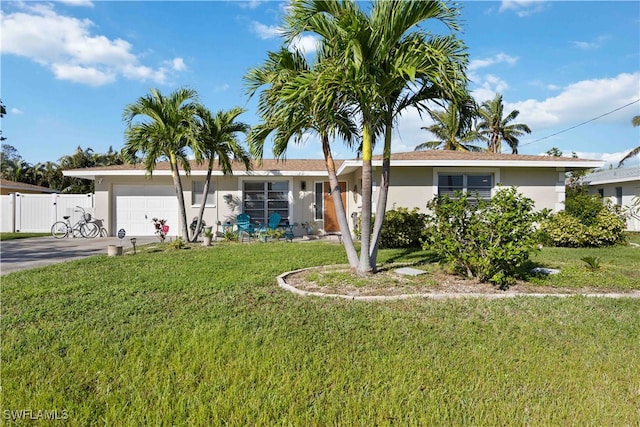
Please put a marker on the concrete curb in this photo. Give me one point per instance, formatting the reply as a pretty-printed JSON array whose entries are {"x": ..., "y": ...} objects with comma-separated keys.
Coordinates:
[{"x": 441, "y": 296}]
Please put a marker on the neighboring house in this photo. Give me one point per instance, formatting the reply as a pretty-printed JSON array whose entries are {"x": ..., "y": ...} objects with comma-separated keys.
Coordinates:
[
  {"x": 8, "y": 187},
  {"x": 618, "y": 185},
  {"x": 126, "y": 197}
]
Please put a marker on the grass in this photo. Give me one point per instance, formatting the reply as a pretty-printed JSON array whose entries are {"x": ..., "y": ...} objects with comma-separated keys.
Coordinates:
[
  {"x": 203, "y": 336},
  {"x": 13, "y": 236},
  {"x": 618, "y": 267}
]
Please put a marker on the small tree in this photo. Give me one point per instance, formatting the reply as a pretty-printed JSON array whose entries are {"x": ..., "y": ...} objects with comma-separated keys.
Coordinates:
[{"x": 486, "y": 240}]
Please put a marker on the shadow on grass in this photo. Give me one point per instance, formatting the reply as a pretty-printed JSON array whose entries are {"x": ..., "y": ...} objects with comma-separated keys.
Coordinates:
[{"x": 410, "y": 257}]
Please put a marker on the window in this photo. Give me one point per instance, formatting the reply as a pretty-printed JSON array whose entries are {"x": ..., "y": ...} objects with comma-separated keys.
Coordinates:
[
  {"x": 318, "y": 201},
  {"x": 261, "y": 199},
  {"x": 449, "y": 183},
  {"x": 619, "y": 196},
  {"x": 601, "y": 192},
  {"x": 197, "y": 188}
]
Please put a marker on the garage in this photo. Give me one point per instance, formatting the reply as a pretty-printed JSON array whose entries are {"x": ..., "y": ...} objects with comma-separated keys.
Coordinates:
[{"x": 136, "y": 206}]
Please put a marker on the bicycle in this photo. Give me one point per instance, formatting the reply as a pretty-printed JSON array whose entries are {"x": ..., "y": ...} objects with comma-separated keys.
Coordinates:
[{"x": 84, "y": 227}]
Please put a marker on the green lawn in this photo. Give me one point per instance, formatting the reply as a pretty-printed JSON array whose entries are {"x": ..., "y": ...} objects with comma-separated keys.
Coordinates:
[
  {"x": 13, "y": 236},
  {"x": 205, "y": 337}
]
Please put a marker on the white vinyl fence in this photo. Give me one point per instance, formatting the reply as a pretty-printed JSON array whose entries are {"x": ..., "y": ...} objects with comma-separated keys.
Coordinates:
[{"x": 36, "y": 213}]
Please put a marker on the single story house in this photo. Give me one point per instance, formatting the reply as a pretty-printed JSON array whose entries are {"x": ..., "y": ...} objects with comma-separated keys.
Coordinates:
[
  {"x": 127, "y": 198},
  {"x": 8, "y": 187},
  {"x": 620, "y": 186}
]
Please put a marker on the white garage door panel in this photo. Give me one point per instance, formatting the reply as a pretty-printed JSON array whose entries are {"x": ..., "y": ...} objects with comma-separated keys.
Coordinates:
[{"x": 137, "y": 205}]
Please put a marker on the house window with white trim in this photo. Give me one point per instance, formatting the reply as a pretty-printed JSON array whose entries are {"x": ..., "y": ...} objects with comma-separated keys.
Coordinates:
[
  {"x": 261, "y": 199},
  {"x": 469, "y": 183},
  {"x": 197, "y": 187},
  {"x": 619, "y": 196},
  {"x": 318, "y": 204}
]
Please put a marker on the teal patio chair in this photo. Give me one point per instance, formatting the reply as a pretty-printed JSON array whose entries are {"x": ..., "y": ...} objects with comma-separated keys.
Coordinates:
[
  {"x": 243, "y": 222},
  {"x": 274, "y": 223}
]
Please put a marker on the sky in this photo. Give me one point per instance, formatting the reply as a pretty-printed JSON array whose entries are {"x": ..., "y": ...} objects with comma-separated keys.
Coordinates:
[{"x": 69, "y": 68}]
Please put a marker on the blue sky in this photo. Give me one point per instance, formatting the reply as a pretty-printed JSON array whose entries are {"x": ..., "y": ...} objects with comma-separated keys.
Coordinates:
[{"x": 70, "y": 67}]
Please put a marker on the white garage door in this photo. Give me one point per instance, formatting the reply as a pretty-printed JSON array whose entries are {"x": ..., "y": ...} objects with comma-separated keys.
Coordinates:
[{"x": 137, "y": 205}]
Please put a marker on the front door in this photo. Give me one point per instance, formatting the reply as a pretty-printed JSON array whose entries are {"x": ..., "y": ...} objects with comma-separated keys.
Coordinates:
[{"x": 330, "y": 218}]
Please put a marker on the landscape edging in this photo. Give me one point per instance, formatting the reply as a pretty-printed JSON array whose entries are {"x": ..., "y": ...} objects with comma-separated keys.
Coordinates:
[{"x": 439, "y": 296}]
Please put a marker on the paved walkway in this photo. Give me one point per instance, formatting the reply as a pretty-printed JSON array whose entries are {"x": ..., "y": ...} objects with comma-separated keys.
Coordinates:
[{"x": 22, "y": 254}]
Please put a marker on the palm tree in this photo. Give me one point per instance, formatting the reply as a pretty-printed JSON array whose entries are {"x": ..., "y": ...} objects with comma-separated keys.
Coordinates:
[
  {"x": 495, "y": 127},
  {"x": 382, "y": 63},
  {"x": 452, "y": 128},
  {"x": 3, "y": 112},
  {"x": 217, "y": 138},
  {"x": 635, "y": 122},
  {"x": 166, "y": 126},
  {"x": 294, "y": 102}
]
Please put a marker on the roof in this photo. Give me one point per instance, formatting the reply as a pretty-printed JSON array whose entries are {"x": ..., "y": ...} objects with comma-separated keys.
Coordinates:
[
  {"x": 316, "y": 167},
  {"x": 286, "y": 167},
  {"x": 448, "y": 158},
  {"x": 611, "y": 176},
  {"x": 14, "y": 185}
]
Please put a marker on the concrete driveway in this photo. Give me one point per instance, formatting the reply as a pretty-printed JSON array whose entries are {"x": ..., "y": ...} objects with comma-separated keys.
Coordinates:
[{"x": 22, "y": 254}]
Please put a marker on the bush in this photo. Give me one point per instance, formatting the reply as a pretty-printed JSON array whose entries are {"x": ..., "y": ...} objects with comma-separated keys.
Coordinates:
[
  {"x": 584, "y": 207},
  {"x": 402, "y": 228},
  {"x": 486, "y": 240},
  {"x": 606, "y": 228}
]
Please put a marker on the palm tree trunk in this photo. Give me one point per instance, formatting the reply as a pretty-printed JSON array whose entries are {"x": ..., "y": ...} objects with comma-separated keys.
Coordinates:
[
  {"x": 364, "y": 267},
  {"x": 495, "y": 143},
  {"x": 336, "y": 193},
  {"x": 205, "y": 191},
  {"x": 383, "y": 193},
  {"x": 177, "y": 183}
]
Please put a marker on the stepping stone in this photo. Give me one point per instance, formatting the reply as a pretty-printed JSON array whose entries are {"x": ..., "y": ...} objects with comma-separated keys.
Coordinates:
[
  {"x": 541, "y": 270},
  {"x": 410, "y": 271}
]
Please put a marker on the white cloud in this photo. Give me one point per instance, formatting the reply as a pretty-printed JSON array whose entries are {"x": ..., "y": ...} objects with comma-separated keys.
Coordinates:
[
  {"x": 609, "y": 158},
  {"x": 80, "y": 74},
  {"x": 305, "y": 44},
  {"x": 266, "y": 31},
  {"x": 84, "y": 3},
  {"x": 493, "y": 60},
  {"x": 251, "y": 4},
  {"x": 487, "y": 85},
  {"x": 488, "y": 88},
  {"x": 522, "y": 8},
  {"x": 66, "y": 46},
  {"x": 221, "y": 88},
  {"x": 16, "y": 111},
  {"x": 178, "y": 64},
  {"x": 580, "y": 101},
  {"x": 597, "y": 43}
]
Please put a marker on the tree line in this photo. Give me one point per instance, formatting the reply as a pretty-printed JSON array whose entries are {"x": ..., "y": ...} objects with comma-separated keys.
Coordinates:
[{"x": 49, "y": 174}]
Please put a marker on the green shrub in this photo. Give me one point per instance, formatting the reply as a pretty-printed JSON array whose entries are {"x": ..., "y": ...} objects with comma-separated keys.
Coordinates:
[
  {"x": 592, "y": 263},
  {"x": 585, "y": 207},
  {"x": 230, "y": 236},
  {"x": 486, "y": 240},
  {"x": 402, "y": 228},
  {"x": 606, "y": 228}
]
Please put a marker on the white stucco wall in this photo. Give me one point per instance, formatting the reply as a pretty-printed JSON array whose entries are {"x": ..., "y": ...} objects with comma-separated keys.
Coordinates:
[
  {"x": 416, "y": 186},
  {"x": 410, "y": 187},
  {"x": 226, "y": 203},
  {"x": 630, "y": 190},
  {"x": 545, "y": 186}
]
